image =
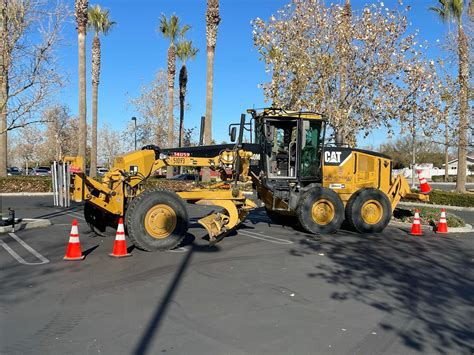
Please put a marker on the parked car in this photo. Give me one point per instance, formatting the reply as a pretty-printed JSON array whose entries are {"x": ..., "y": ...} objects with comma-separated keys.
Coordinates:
[
  {"x": 13, "y": 171},
  {"x": 185, "y": 177},
  {"x": 102, "y": 171},
  {"x": 47, "y": 168},
  {"x": 40, "y": 172}
]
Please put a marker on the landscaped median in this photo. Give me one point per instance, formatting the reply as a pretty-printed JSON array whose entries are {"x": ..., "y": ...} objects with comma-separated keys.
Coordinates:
[{"x": 428, "y": 216}]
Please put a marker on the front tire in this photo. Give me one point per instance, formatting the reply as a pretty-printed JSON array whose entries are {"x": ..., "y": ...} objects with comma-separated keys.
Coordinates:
[
  {"x": 320, "y": 211},
  {"x": 368, "y": 211},
  {"x": 157, "y": 220}
]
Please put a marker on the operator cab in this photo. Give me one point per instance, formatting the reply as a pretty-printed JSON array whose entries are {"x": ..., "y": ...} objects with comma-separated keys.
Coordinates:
[{"x": 291, "y": 145}]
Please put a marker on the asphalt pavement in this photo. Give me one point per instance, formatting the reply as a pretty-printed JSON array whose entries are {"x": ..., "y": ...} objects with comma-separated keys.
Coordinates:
[{"x": 265, "y": 289}]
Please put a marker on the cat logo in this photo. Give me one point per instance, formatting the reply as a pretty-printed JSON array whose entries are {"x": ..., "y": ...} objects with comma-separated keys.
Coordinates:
[
  {"x": 336, "y": 157},
  {"x": 332, "y": 157}
]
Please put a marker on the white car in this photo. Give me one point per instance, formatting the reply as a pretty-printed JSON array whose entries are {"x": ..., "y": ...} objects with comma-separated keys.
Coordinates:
[{"x": 102, "y": 171}]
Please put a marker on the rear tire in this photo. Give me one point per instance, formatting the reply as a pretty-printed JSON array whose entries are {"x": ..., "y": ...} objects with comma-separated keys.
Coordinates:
[
  {"x": 157, "y": 220},
  {"x": 320, "y": 211},
  {"x": 368, "y": 211}
]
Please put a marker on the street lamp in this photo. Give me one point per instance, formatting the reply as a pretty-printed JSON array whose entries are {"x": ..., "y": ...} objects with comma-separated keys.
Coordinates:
[{"x": 135, "y": 120}]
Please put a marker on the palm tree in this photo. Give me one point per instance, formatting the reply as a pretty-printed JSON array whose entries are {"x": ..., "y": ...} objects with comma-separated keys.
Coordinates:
[
  {"x": 212, "y": 23},
  {"x": 80, "y": 7},
  {"x": 449, "y": 10},
  {"x": 170, "y": 29},
  {"x": 184, "y": 51},
  {"x": 99, "y": 22}
]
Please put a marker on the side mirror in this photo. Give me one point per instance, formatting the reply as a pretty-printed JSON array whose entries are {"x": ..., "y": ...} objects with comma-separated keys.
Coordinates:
[{"x": 233, "y": 133}]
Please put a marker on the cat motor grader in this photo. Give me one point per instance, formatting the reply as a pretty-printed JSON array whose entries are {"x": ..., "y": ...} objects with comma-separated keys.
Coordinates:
[{"x": 294, "y": 173}]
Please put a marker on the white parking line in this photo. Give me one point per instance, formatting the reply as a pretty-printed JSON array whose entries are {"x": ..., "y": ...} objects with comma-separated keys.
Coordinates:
[
  {"x": 178, "y": 250},
  {"x": 77, "y": 215},
  {"x": 27, "y": 247},
  {"x": 264, "y": 237}
]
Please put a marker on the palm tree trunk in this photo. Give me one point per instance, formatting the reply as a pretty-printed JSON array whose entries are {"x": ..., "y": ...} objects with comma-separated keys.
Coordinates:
[
  {"x": 209, "y": 95},
  {"x": 95, "y": 94},
  {"x": 171, "y": 77},
  {"x": 93, "y": 168},
  {"x": 3, "y": 87},
  {"x": 81, "y": 38},
  {"x": 206, "y": 176},
  {"x": 463, "y": 112},
  {"x": 183, "y": 81},
  {"x": 446, "y": 143}
]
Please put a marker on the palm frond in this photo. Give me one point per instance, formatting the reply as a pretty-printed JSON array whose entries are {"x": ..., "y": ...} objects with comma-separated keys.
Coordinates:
[
  {"x": 443, "y": 10},
  {"x": 185, "y": 51},
  {"x": 171, "y": 28},
  {"x": 99, "y": 20},
  {"x": 457, "y": 8}
]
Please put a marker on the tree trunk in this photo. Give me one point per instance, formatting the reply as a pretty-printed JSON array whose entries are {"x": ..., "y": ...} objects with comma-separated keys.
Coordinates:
[
  {"x": 3, "y": 87},
  {"x": 93, "y": 167},
  {"x": 95, "y": 95},
  {"x": 206, "y": 176},
  {"x": 413, "y": 160},
  {"x": 183, "y": 81},
  {"x": 463, "y": 112},
  {"x": 446, "y": 143},
  {"x": 171, "y": 77},
  {"x": 81, "y": 38}
]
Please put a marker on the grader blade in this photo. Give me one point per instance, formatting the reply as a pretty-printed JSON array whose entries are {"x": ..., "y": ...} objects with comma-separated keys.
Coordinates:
[
  {"x": 220, "y": 224},
  {"x": 215, "y": 225}
]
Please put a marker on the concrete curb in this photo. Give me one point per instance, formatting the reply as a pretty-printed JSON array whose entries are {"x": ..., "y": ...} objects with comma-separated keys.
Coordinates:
[
  {"x": 13, "y": 194},
  {"x": 26, "y": 223},
  {"x": 407, "y": 226},
  {"x": 419, "y": 204}
]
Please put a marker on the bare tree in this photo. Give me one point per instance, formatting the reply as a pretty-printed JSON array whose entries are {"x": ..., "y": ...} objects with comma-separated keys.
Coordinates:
[
  {"x": 60, "y": 133},
  {"x": 29, "y": 34},
  {"x": 361, "y": 69},
  {"x": 110, "y": 145},
  {"x": 152, "y": 106}
]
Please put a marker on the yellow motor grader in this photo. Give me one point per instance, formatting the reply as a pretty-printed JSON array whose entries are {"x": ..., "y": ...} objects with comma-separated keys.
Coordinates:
[{"x": 293, "y": 171}]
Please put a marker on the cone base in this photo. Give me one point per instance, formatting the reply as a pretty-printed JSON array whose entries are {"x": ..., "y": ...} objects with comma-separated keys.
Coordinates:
[
  {"x": 76, "y": 258},
  {"x": 441, "y": 232},
  {"x": 119, "y": 256}
]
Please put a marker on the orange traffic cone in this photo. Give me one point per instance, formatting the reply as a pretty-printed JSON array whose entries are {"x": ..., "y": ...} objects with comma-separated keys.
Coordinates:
[
  {"x": 73, "y": 251},
  {"x": 416, "y": 226},
  {"x": 442, "y": 225},
  {"x": 424, "y": 187},
  {"x": 120, "y": 246}
]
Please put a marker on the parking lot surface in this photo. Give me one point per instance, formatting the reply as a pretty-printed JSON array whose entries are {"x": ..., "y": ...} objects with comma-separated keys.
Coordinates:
[{"x": 265, "y": 289}]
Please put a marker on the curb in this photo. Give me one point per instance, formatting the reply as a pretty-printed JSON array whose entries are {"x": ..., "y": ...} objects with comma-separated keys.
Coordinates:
[
  {"x": 419, "y": 204},
  {"x": 13, "y": 194},
  {"x": 26, "y": 223},
  {"x": 467, "y": 229}
]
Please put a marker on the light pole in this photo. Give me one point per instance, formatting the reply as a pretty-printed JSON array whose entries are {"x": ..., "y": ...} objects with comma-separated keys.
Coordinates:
[{"x": 135, "y": 120}]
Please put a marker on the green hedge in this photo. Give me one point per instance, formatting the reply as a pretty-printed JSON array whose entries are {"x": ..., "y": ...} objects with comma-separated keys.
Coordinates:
[
  {"x": 451, "y": 178},
  {"x": 447, "y": 198},
  {"x": 25, "y": 184}
]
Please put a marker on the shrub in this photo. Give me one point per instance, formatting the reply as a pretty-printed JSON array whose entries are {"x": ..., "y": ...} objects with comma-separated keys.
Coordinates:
[
  {"x": 428, "y": 216},
  {"x": 25, "y": 184}
]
